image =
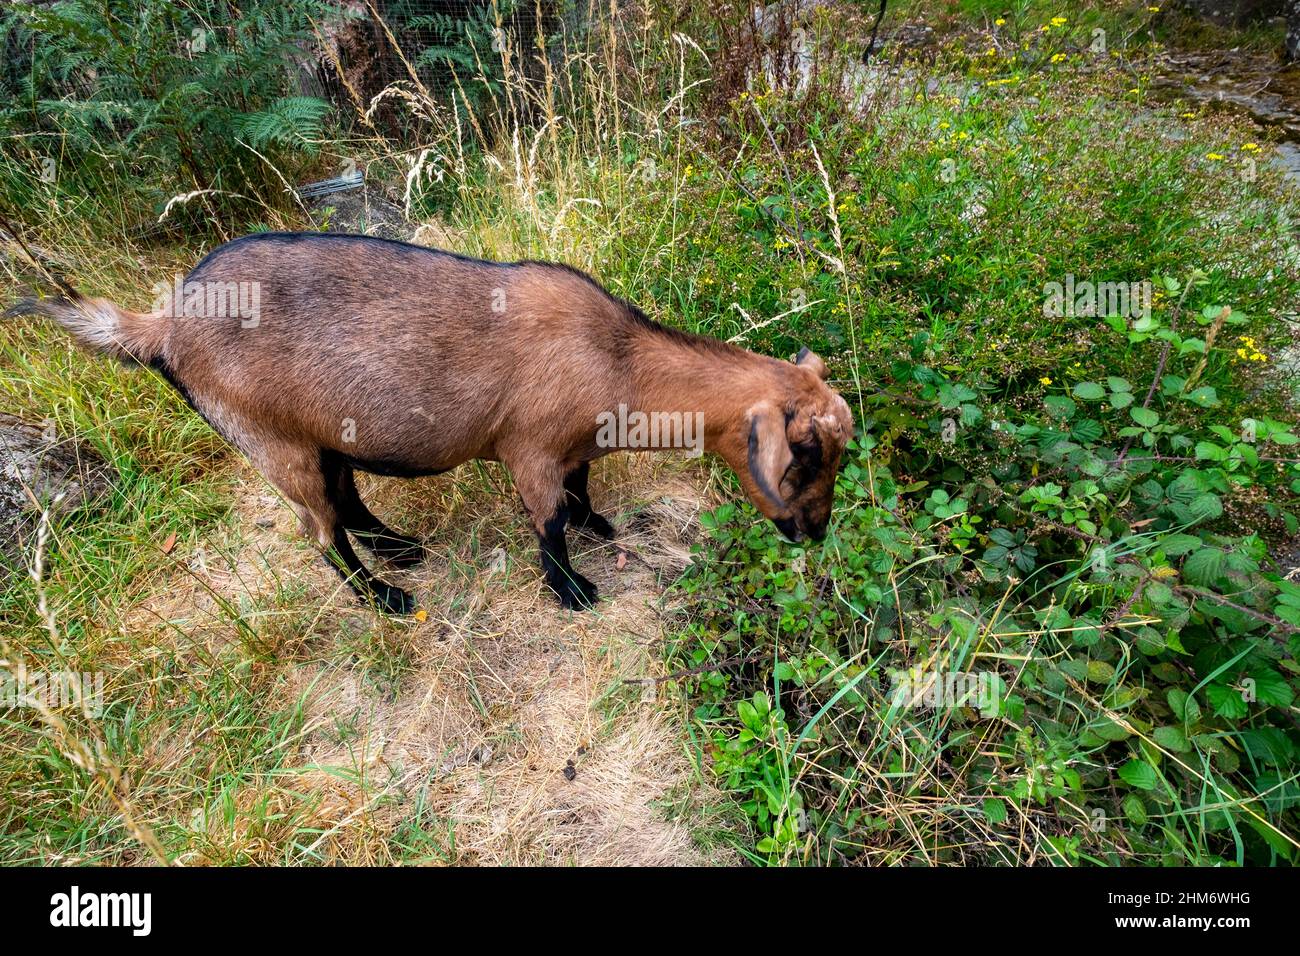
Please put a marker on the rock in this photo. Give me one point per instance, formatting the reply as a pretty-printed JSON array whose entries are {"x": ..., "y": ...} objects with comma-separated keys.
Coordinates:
[
  {"x": 1234, "y": 13},
  {"x": 360, "y": 212},
  {"x": 38, "y": 470},
  {"x": 908, "y": 36},
  {"x": 1240, "y": 13},
  {"x": 1292, "y": 52}
]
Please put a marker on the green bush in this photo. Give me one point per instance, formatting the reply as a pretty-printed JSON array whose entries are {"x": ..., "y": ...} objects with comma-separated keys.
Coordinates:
[
  {"x": 1086, "y": 519},
  {"x": 110, "y": 109}
]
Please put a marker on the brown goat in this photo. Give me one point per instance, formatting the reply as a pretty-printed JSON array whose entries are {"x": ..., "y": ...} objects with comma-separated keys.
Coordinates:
[{"x": 316, "y": 354}]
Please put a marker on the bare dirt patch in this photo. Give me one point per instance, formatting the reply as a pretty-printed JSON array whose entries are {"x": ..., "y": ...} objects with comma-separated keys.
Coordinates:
[{"x": 498, "y": 727}]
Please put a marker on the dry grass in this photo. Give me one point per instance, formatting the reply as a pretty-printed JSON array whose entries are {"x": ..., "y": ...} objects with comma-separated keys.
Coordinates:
[
  {"x": 271, "y": 718},
  {"x": 500, "y": 715}
]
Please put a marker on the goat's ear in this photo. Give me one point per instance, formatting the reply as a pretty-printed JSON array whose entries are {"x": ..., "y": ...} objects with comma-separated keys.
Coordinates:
[
  {"x": 769, "y": 452},
  {"x": 810, "y": 359}
]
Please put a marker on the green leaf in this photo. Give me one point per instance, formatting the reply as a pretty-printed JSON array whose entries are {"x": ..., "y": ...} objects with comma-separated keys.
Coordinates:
[
  {"x": 1183, "y": 705},
  {"x": 1086, "y": 431},
  {"x": 1171, "y": 738},
  {"x": 1089, "y": 392},
  {"x": 1209, "y": 451},
  {"x": 1205, "y": 566},
  {"x": 1227, "y": 702},
  {"x": 953, "y": 394},
  {"x": 1100, "y": 672},
  {"x": 1204, "y": 507},
  {"x": 1144, "y": 417},
  {"x": 995, "y": 811},
  {"x": 1268, "y": 745},
  {"x": 748, "y": 716},
  {"x": 1177, "y": 544},
  {"x": 1272, "y": 688},
  {"x": 1060, "y": 406},
  {"x": 1135, "y": 809},
  {"x": 1139, "y": 774}
]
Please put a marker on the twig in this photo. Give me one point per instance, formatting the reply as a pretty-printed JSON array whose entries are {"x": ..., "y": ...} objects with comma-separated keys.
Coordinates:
[{"x": 1164, "y": 355}]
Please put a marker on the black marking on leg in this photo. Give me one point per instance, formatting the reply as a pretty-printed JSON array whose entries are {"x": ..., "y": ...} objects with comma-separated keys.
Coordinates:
[
  {"x": 575, "y": 591},
  {"x": 396, "y": 549},
  {"x": 368, "y": 587},
  {"x": 578, "y": 501},
  {"x": 399, "y": 550}
]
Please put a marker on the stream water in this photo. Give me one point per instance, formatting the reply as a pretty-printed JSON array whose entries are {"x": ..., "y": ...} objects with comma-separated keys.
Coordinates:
[{"x": 1244, "y": 84}]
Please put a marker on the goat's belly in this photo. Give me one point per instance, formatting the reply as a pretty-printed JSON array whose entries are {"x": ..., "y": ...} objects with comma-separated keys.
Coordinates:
[
  {"x": 393, "y": 468},
  {"x": 408, "y": 447}
]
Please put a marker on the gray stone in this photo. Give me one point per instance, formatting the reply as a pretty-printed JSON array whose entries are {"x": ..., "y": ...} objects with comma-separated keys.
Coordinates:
[
  {"x": 1234, "y": 13},
  {"x": 1240, "y": 13},
  {"x": 40, "y": 470}
]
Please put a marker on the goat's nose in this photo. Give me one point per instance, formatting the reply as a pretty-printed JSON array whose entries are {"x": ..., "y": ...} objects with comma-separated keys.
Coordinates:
[{"x": 788, "y": 528}]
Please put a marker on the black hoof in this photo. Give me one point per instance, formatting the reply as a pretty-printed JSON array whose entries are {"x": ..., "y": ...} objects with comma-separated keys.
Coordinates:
[
  {"x": 393, "y": 600},
  {"x": 576, "y": 593},
  {"x": 598, "y": 525}
]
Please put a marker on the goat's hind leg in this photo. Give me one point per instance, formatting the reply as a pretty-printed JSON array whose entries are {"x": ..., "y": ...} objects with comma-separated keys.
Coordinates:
[
  {"x": 400, "y": 550},
  {"x": 299, "y": 474},
  {"x": 578, "y": 502}
]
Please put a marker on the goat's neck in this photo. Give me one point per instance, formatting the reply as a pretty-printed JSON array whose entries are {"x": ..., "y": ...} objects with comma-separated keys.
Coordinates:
[{"x": 668, "y": 374}]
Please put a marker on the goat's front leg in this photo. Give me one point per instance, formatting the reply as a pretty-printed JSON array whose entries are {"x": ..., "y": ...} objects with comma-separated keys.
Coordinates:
[{"x": 541, "y": 485}]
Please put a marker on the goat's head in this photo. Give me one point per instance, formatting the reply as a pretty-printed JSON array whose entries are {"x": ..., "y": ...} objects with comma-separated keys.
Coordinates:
[{"x": 795, "y": 442}]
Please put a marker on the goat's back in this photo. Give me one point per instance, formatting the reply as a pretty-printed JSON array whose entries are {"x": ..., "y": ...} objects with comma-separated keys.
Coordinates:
[{"x": 391, "y": 352}]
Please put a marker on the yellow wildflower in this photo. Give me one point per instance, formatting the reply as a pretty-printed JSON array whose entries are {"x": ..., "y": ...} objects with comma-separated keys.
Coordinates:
[
  {"x": 1249, "y": 351},
  {"x": 1045, "y": 380},
  {"x": 1059, "y": 21},
  {"x": 1214, "y": 156},
  {"x": 1250, "y": 147}
]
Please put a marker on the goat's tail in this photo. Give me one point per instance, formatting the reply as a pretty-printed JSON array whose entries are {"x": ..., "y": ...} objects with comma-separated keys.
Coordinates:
[
  {"x": 101, "y": 325},
  {"x": 97, "y": 323}
]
